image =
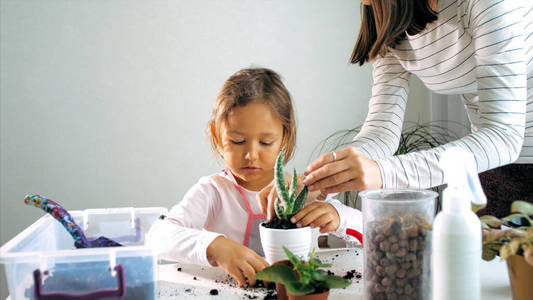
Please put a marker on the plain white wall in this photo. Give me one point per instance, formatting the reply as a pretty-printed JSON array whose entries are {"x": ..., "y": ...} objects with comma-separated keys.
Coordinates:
[{"x": 104, "y": 103}]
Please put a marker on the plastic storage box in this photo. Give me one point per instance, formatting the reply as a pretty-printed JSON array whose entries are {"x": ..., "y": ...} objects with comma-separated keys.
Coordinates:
[{"x": 41, "y": 261}]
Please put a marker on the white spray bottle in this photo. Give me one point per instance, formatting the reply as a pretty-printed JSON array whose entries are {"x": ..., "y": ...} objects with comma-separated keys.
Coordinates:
[{"x": 456, "y": 253}]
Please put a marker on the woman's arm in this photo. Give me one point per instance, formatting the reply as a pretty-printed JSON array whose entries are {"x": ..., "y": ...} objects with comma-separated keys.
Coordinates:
[
  {"x": 380, "y": 134},
  {"x": 498, "y": 110},
  {"x": 497, "y": 29},
  {"x": 354, "y": 167}
]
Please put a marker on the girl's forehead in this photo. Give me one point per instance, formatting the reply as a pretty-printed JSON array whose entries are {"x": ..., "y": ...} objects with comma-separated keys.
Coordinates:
[{"x": 256, "y": 118}]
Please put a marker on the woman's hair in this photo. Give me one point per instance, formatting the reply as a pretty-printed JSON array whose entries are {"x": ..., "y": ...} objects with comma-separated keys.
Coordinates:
[
  {"x": 249, "y": 85},
  {"x": 384, "y": 24}
]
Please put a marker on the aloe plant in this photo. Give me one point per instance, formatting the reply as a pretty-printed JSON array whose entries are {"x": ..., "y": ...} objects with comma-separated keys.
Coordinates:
[{"x": 289, "y": 202}]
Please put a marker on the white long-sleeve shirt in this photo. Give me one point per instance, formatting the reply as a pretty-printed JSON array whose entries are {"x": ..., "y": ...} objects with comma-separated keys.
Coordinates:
[
  {"x": 214, "y": 207},
  {"x": 480, "y": 49}
]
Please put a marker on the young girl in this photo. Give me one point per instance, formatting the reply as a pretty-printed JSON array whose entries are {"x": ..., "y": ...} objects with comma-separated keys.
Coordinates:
[{"x": 216, "y": 223}]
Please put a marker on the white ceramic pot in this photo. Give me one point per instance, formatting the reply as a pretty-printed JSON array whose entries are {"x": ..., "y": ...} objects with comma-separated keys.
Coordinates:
[
  {"x": 297, "y": 240},
  {"x": 315, "y": 233}
]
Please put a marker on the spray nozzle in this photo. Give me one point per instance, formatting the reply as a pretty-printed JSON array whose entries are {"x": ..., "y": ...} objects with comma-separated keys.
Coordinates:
[{"x": 461, "y": 175}]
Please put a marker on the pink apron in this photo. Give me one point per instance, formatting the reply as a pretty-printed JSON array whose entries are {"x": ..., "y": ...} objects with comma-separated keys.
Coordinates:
[{"x": 251, "y": 237}]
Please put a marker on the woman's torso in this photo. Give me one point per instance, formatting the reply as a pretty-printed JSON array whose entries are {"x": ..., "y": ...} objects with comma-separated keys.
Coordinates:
[{"x": 444, "y": 55}]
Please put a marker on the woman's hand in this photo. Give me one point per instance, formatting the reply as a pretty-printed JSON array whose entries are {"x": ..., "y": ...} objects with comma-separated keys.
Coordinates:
[
  {"x": 235, "y": 259},
  {"x": 269, "y": 194},
  {"x": 318, "y": 214},
  {"x": 347, "y": 170}
]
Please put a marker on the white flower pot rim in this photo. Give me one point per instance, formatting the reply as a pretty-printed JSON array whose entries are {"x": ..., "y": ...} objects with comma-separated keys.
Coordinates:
[{"x": 284, "y": 229}]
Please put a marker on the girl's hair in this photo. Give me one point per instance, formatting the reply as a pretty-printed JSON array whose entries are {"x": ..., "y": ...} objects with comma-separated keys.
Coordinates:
[
  {"x": 247, "y": 86},
  {"x": 384, "y": 24}
]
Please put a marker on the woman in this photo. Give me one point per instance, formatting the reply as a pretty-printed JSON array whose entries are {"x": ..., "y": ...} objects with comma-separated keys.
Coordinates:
[{"x": 479, "y": 49}]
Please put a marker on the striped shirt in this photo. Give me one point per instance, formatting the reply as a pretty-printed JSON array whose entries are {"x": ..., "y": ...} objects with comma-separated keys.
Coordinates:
[{"x": 480, "y": 49}]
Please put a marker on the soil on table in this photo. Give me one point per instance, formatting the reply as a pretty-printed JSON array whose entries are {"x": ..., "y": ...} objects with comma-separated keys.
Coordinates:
[{"x": 280, "y": 224}]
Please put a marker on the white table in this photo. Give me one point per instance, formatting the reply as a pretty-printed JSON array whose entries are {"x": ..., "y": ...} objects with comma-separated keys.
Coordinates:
[
  {"x": 495, "y": 284},
  {"x": 174, "y": 284}
]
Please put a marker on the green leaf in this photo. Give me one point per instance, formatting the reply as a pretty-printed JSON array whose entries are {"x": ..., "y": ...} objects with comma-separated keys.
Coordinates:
[
  {"x": 510, "y": 248},
  {"x": 279, "y": 210},
  {"x": 305, "y": 277},
  {"x": 522, "y": 207},
  {"x": 491, "y": 221},
  {"x": 319, "y": 275},
  {"x": 316, "y": 262},
  {"x": 488, "y": 253},
  {"x": 514, "y": 244},
  {"x": 476, "y": 207},
  {"x": 312, "y": 254},
  {"x": 495, "y": 246},
  {"x": 293, "y": 258},
  {"x": 281, "y": 187},
  {"x": 506, "y": 251},
  {"x": 511, "y": 216},
  {"x": 517, "y": 219},
  {"x": 298, "y": 288},
  {"x": 292, "y": 194},
  {"x": 300, "y": 200},
  {"x": 277, "y": 273},
  {"x": 334, "y": 282}
]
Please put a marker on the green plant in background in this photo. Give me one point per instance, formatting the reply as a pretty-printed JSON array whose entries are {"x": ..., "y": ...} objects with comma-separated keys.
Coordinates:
[
  {"x": 289, "y": 202},
  {"x": 302, "y": 277},
  {"x": 414, "y": 137},
  {"x": 515, "y": 238},
  {"x": 418, "y": 137}
]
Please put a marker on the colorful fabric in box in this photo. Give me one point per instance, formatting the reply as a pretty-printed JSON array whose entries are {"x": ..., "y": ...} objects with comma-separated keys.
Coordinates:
[{"x": 61, "y": 215}]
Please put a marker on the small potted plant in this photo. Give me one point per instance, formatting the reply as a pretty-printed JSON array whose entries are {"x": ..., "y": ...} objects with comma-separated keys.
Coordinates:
[
  {"x": 300, "y": 279},
  {"x": 280, "y": 231},
  {"x": 512, "y": 239}
]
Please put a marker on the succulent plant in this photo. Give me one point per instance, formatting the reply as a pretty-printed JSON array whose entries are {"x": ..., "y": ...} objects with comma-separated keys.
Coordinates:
[
  {"x": 289, "y": 202},
  {"x": 302, "y": 277},
  {"x": 516, "y": 238}
]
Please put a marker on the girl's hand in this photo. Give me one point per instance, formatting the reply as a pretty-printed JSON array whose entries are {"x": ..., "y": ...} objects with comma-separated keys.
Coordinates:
[
  {"x": 269, "y": 194},
  {"x": 318, "y": 214},
  {"x": 350, "y": 171},
  {"x": 235, "y": 259}
]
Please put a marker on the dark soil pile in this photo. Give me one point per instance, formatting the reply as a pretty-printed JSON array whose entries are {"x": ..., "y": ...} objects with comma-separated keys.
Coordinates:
[
  {"x": 279, "y": 224},
  {"x": 351, "y": 274},
  {"x": 271, "y": 295}
]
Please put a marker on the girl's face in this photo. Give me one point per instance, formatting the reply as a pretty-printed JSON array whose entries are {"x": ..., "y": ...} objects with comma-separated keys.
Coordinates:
[{"x": 251, "y": 140}]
